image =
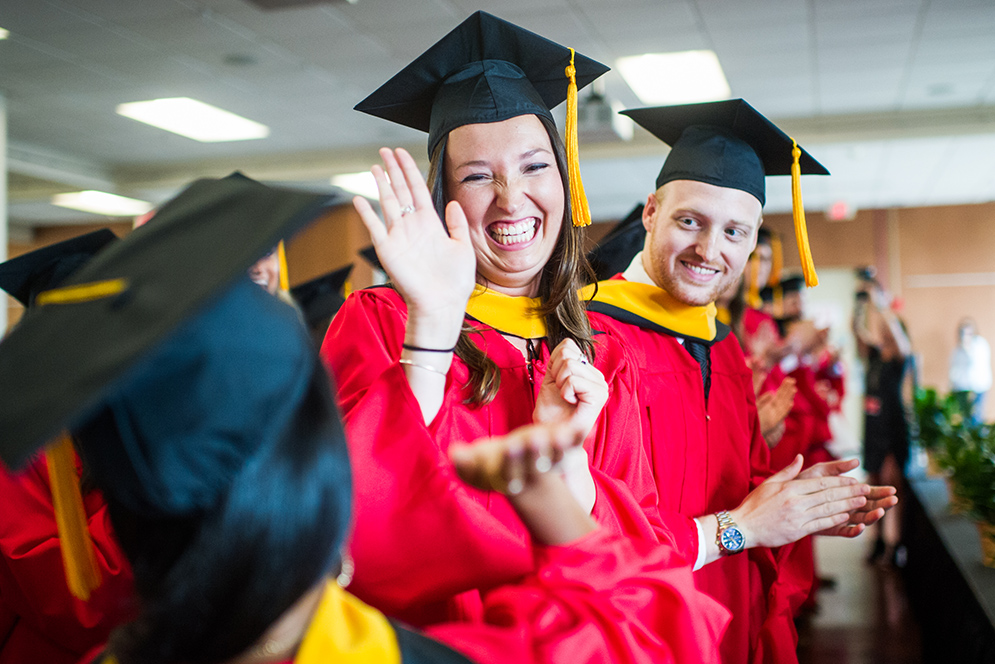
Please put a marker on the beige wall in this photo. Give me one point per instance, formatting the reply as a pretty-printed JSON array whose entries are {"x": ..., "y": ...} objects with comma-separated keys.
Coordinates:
[{"x": 908, "y": 246}]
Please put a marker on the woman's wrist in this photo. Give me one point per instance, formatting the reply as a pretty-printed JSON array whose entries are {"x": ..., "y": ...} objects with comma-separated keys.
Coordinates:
[{"x": 437, "y": 330}]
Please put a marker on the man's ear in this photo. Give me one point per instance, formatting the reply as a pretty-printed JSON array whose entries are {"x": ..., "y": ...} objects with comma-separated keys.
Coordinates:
[{"x": 649, "y": 211}]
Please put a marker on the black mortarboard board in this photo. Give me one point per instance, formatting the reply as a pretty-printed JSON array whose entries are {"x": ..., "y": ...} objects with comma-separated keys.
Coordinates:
[
  {"x": 725, "y": 143},
  {"x": 792, "y": 284},
  {"x": 322, "y": 297},
  {"x": 39, "y": 270},
  {"x": 617, "y": 249},
  {"x": 369, "y": 254},
  {"x": 70, "y": 349},
  {"x": 730, "y": 144},
  {"x": 485, "y": 70}
]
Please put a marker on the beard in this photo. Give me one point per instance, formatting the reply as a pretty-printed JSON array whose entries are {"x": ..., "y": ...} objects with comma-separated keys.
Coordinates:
[{"x": 684, "y": 291}]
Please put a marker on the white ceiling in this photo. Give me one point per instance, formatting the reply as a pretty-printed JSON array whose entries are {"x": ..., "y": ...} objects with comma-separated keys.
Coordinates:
[{"x": 896, "y": 97}]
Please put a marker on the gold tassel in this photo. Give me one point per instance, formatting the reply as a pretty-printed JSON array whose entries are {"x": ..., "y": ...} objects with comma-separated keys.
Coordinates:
[
  {"x": 798, "y": 212},
  {"x": 578, "y": 200},
  {"x": 753, "y": 294},
  {"x": 78, "y": 555},
  {"x": 776, "y": 260},
  {"x": 778, "y": 302},
  {"x": 347, "y": 288},
  {"x": 282, "y": 257}
]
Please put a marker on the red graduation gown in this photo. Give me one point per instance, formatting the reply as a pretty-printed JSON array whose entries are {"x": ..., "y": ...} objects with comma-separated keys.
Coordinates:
[
  {"x": 603, "y": 599},
  {"x": 40, "y": 621},
  {"x": 706, "y": 458},
  {"x": 404, "y": 484}
]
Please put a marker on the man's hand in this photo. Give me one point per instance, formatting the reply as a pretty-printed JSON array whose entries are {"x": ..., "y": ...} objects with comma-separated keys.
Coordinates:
[
  {"x": 773, "y": 407},
  {"x": 790, "y": 505}
]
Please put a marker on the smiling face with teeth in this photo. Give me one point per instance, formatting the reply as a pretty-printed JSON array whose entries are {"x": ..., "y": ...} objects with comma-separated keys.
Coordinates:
[
  {"x": 266, "y": 272},
  {"x": 699, "y": 238},
  {"x": 505, "y": 177}
]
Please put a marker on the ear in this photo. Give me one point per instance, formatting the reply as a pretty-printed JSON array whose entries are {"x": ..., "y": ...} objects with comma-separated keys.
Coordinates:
[{"x": 649, "y": 211}]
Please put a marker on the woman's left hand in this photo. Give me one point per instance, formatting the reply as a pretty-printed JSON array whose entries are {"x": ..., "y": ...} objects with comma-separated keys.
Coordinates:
[{"x": 573, "y": 391}]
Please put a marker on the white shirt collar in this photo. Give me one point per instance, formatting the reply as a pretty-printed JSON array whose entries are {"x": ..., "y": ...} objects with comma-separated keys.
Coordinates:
[{"x": 636, "y": 273}]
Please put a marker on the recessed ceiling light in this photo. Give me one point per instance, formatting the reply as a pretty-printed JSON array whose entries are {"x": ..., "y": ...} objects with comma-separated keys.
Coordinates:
[
  {"x": 363, "y": 184},
  {"x": 194, "y": 119},
  {"x": 675, "y": 78},
  {"x": 4, "y": 33},
  {"x": 100, "y": 202}
]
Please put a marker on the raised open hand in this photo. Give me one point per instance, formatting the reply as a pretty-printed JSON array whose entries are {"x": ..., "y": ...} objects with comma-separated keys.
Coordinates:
[{"x": 433, "y": 270}]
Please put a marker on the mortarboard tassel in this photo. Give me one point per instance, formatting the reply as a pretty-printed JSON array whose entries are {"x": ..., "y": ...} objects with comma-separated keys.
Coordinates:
[
  {"x": 776, "y": 260},
  {"x": 778, "y": 301},
  {"x": 753, "y": 294},
  {"x": 798, "y": 212},
  {"x": 78, "y": 556},
  {"x": 281, "y": 253},
  {"x": 578, "y": 200}
]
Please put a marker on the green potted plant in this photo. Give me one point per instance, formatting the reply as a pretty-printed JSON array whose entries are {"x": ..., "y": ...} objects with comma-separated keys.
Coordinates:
[{"x": 970, "y": 457}]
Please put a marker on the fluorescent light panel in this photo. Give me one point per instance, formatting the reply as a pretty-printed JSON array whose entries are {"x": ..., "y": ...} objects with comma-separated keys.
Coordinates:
[
  {"x": 362, "y": 184},
  {"x": 4, "y": 33},
  {"x": 194, "y": 119},
  {"x": 675, "y": 78},
  {"x": 100, "y": 202}
]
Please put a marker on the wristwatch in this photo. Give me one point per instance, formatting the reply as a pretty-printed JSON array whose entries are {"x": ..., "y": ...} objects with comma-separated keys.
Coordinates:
[{"x": 729, "y": 537}]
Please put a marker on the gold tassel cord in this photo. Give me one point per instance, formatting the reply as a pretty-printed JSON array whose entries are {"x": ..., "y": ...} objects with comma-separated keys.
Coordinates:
[
  {"x": 78, "y": 555},
  {"x": 798, "y": 213},
  {"x": 281, "y": 252},
  {"x": 82, "y": 293},
  {"x": 778, "y": 309},
  {"x": 776, "y": 260},
  {"x": 578, "y": 199},
  {"x": 753, "y": 294}
]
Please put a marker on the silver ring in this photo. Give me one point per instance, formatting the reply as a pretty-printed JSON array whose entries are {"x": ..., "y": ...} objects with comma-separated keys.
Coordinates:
[
  {"x": 407, "y": 209},
  {"x": 583, "y": 360}
]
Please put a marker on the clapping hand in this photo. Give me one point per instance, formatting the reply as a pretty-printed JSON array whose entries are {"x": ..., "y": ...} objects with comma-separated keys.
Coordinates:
[{"x": 573, "y": 390}]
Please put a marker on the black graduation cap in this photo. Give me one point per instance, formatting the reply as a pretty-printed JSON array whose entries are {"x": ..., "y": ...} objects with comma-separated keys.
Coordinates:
[
  {"x": 730, "y": 144},
  {"x": 39, "y": 270},
  {"x": 485, "y": 70},
  {"x": 792, "y": 284},
  {"x": 321, "y": 297},
  {"x": 76, "y": 343},
  {"x": 617, "y": 249},
  {"x": 369, "y": 254}
]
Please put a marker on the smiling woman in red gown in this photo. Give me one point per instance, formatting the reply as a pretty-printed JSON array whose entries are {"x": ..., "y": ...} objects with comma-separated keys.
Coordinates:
[{"x": 482, "y": 330}]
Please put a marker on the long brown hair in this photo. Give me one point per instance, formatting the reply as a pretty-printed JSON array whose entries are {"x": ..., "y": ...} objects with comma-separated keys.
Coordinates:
[{"x": 564, "y": 273}]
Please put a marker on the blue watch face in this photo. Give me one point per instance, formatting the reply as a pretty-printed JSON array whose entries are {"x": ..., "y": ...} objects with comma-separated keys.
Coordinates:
[{"x": 732, "y": 540}]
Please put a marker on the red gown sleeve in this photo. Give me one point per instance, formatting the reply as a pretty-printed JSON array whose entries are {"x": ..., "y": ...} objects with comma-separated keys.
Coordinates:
[
  {"x": 32, "y": 580},
  {"x": 420, "y": 535},
  {"x": 602, "y": 599},
  {"x": 786, "y": 573}
]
